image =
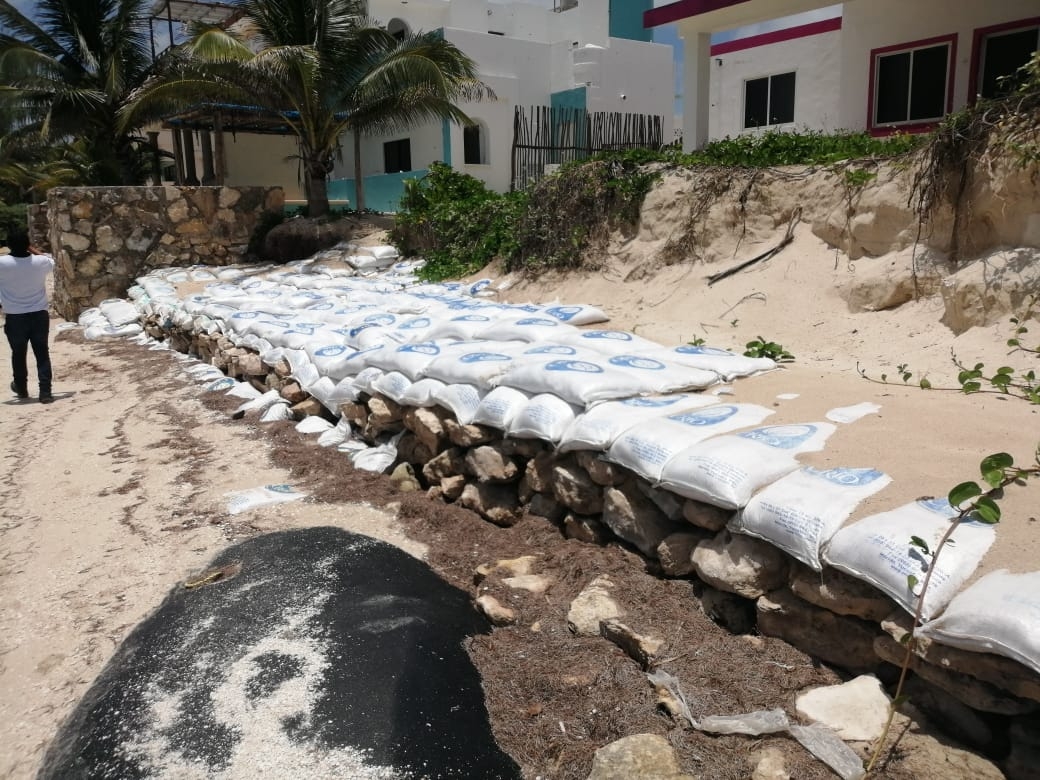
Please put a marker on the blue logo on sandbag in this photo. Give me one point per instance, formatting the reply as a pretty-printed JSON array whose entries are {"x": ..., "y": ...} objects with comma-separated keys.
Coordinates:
[
  {"x": 653, "y": 403},
  {"x": 471, "y": 318},
  {"x": 713, "y": 415},
  {"x": 381, "y": 319},
  {"x": 847, "y": 477},
  {"x": 578, "y": 366},
  {"x": 633, "y": 361},
  {"x": 418, "y": 322},
  {"x": 321, "y": 306},
  {"x": 330, "y": 351},
  {"x": 939, "y": 506},
  {"x": 529, "y": 307},
  {"x": 537, "y": 321},
  {"x": 245, "y": 315},
  {"x": 483, "y": 357},
  {"x": 781, "y": 437},
  {"x": 690, "y": 349},
  {"x": 359, "y": 328},
  {"x": 555, "y": 349},
  {"x": 614, "y": 335},
  {"x": 563, "y": 312},
  {"x": 425, "y": 348}
]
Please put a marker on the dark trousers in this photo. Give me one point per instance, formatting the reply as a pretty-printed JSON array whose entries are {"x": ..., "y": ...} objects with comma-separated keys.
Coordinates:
[{"x": 23, "y": 330}]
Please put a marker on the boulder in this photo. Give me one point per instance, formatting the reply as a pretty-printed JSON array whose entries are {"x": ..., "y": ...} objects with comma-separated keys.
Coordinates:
[
  {"x": 495, "y": 612},
  {"x": 665, "y": 500},
  {"x": 740, "y": 564},
  {"x": 467, "y": 435},
  {"x": 489, "y": 464},
  {"x": 308, "y": 407},
  {"x": 675, "y": 552},
  {"x": 585, "y": 529},
  {"x": 452, "y": 487},
  {"x": 251, "y": 364},
  {"x": 403, "y": 478},
  {"x": 496, "y": 503},
  {"x": 546, "y": 506},
  {"x": 841, "y": 593},
  {"x": 706, "y": 516},
  {"x": 646, "y": 756},
  {"x": 856, "y": 710},
  {"x": 734, "y": 613},
  {"x": 592, "y": 606},
  {"x": 635, "y": 518},
  {"x": 641, "y": 649},
  {"x": 538, "y": 472},
  {"x": 600, "y": 471},
  {"x": 575, "y": 490},
  {"x": 427, "y": 423},
  {"x": 447, "y": 464},
  {"x": 990, "y": 289},
  {"x": 953, "y": 717},
  {"x": 513, "y": 567},
  {"x": 532, "y": 583},
  {"x": 413, "y": 451}
]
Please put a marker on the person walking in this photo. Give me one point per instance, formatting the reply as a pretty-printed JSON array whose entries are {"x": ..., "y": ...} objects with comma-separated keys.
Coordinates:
[{"x": 23, "y": 295}]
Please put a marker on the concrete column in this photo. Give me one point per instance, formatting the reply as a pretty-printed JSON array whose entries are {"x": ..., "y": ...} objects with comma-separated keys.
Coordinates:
[
  {"x": 178, "y": 157},
  {"x": 208, "y": 175},
  {"x": 696, "y": 97},
  {"x": 188, "y": 142},
  {"x": 220, "y": 162},
  {"x": 153, "y": 143}
]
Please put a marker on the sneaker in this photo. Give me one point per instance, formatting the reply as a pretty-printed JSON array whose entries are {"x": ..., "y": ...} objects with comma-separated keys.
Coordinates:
[
  {"x": 20, "y": 392},
  {"x": 46, "y": 398}
]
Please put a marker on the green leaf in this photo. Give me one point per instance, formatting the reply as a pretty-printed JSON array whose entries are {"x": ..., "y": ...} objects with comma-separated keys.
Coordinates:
[
  {"x": 911, "y": 583},
  {"x": 1005, "y": 370},
  {"x": 971, "y": 387},
  {"x": 963, "y": 492},
  {"x": 926, "y": 385},
  {"x": 986, "y": 510},
  {"x": 993, "y": 478},
  {"x": 1012, "y": 342},
  {"x": 998, "y": 461},
  {"x": 917, "y": 541}
]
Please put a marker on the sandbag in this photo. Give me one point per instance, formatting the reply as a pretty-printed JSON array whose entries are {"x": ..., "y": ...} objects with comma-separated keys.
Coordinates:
[
  {"x": 600, "y": 426},
  {"x": 500, "y": 407},
  {"x": 576, "y": 314},
  {"x": 476, "y": 365},
  {"x": 422, "y": 393},
  {"x": 528, "y": 329},
  {"x": 799, "y": 512},
  {"x": 393, "y": 385},
  {"x": 461, "y": 400},
  {"x": 877, "y": 549},
  {"x": 544, "y": 417},
  {"x": 726, "y": 470},
  {"x": 728, "y": 365}
]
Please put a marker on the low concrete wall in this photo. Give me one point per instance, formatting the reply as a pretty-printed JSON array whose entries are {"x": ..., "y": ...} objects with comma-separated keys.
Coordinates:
[{"x": 103, "y": 238}]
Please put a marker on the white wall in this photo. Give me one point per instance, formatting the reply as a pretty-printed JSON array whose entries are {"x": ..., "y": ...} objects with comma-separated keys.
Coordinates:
[
  {"x": 635, "y": 78},
  {"x": 261, "y": 160},
  {"x": 816, "y": 62},
  {"x": 872, "y": 24}
]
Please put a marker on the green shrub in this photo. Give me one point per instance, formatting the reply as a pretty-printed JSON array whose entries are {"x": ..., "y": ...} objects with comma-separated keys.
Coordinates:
[{"x": 13, "y": 219}]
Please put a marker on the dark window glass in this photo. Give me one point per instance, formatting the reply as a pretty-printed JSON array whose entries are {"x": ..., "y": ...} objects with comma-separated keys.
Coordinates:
[
  {"x": 1003, "y": 54},
  {"x": 756, "y": 103},
  {"x": 781, "y": 99},
  {"x": 893, "y": 88},
  {"x": 928, "y": 83},
  {"x": 471, "y": 145},
  {"x": 397, "y": 156}
]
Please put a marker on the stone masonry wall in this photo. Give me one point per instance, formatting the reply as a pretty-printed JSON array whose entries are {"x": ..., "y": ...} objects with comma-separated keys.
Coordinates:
[{"x": 103, "y": 238}]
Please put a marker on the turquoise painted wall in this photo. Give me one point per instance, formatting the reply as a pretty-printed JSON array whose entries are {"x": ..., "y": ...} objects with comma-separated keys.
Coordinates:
[
  {"x": 569, "y": 98},
  {"x": 382, "y": 192},
  {"x": 626, "y": 19},
  {"x": 446, "y": 141}
]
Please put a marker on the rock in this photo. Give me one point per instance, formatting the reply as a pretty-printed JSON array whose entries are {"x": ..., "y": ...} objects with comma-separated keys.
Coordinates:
[
  {"x": 427, "y": 423},
  {"x": 843, "y": 641},
  {"x": 489, "y": 464},
  {"x": 452, "y": 487},
  {"x": 703, "y": 515},
  {"x": 924, "y": 756},
  {"x": 546, "y": 506},
  {"x": 675, "y": 552},
  {"x": 252, "y": 365},
  {"x": 972, "y": 691},
  {"x": 592, "y": 606},
  {"x": 383, "y": 415},
  {"x": 467, "y": 435},
  {"x": 740, "y": 564},
  {"x": 856, "y": 710},
  {"x": 585, "y": 529},
  {"x": 635, "y": 518},
  {"x": 642, "y": 649},
  {"x": 538, "y": 472},
  {"x": 643, "y": 756},
  {"x": 309, "y": 407},
  {"x": 496, "y": 503},
  {"x": 498, "y": 614},
  {"x": 894, "y": 279},
  {"x": 523, "y": 448},
  {"x": 600, "y": 471},
  {"x": 354, "y": 413},
  {"x": 533, "y": 583},
  {"x": 403, "y": 477},
  {"x": 769, "y": 765},
  {"x": 951, "y": 716},
  {"x": 573, "y": 488},
  {"x": 299, "y": 238},
  {"x": 838, "y": 592},
  {"x": 665, "y": 500},
  {"x": 991, "y": 288},
  {"x": 413, "y": 451},
  {"x": 734, "y": 613},
  {"x": 447, "y": 464},
  {"x": 282, "y": 368},
  {"x": 514, "y": 567}
]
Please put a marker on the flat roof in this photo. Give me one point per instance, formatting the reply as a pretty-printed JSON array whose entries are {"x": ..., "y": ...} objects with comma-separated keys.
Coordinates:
[{"x": 193, "y": 11}]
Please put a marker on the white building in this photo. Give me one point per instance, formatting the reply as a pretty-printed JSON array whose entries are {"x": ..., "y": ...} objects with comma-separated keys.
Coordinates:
[{"x": 883, "y": 66}]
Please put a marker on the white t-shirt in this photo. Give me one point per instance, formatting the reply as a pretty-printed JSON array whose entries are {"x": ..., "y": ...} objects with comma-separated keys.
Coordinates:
[{"x": 22, "y": 283}]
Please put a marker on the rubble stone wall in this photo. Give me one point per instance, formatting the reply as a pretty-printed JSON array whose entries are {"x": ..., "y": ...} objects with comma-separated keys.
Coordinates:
[
  {"x": 102, "y": 238},
  {"x": 39, "y": 228},
  {"x": 745, "y": 584}
]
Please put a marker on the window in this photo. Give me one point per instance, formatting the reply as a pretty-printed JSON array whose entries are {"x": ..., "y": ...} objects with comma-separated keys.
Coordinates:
[
  {"x": 769, "y": 101},
  {"x": 912, "y": 84},
  {"x": 473, "y": 145},
  {"x": 397, "y": 156},
  {"x": 1001, "y": 54}
]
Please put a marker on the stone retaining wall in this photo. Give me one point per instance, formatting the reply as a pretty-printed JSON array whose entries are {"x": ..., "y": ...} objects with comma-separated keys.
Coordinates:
[
  {"x": 987, "y": 701},
  {"x": 103, "y": 238}
]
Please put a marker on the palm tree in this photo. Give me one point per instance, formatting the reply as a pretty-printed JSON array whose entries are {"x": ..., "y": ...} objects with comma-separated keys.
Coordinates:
[
  {"x": 66, "y": 76},
  {"x": 321, "y": 68}
]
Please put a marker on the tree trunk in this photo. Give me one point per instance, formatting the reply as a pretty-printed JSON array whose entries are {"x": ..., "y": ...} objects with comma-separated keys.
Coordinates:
[
  {"x": 317, "y": 191},
  {"x": 359, "y": 181}
]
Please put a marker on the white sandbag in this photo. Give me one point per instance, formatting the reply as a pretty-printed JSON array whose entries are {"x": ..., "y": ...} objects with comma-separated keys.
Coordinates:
[
  {"x": 598, "y": 427},
  {"x": 728, "y": 365},
  {"x": 462, "y": 328},
  {"x": 576, "y": 314},
  {"x": 119, "y": 312},
  {"x": 530, "y": 329},
  {"x": 332, "y": 361},
  {"x": 393, "y": 385},
  {"x": 476, "y": 365},
  {"x": 244, "y": 500},
  {"x": 500, "y": 407},
  {"x": 261, "y": 403},
  {"x": 726, "y": 470},
  {"x": 613, "y": 342},
  {"x": 877, "y": 549},
  {"x": 333, "y": 437},
  {"x": 345, "y": 390},
  {"x": 422, "y": 393},
  {"x": 799, "y": 512},
  {"x": 408, "y": 359},
  {"x": 323, "y": 391},
  {"x": 998, "y": 614},
  {"x": 243, "y": 390},
  {"x": 583, "y": 382},
  {"x": 461, "y": 400},
  {"x": 375, "y": 459},
  {"x": 380, "y": 251},
  {"x": 365, "y": 380},
  {"x": 224, "y": 383},
  {"x": 544, "y": 417},
  {"x": 277, "y": 412},
  {"x": 313, "y": 423},
  {"x": 101, "y": 332},
  {"x": 646, "y": 447}
]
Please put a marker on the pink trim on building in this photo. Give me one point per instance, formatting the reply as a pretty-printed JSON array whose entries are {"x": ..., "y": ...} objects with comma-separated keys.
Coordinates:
[
  {"x": 684, "y": 9},
  {"x": 777, "y": 36},
  {"x": 919, "y": 127},
  {"x": 976, "y": 49}
]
